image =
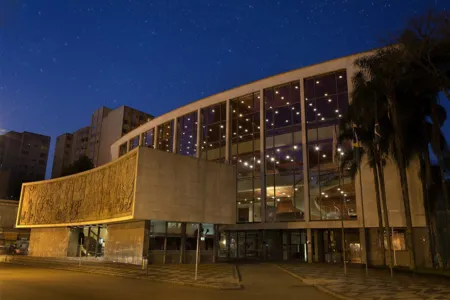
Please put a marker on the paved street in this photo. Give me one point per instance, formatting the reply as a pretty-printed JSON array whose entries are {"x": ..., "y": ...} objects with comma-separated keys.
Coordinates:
[
  {"x": 260, "y": 281},
  {"x": 378, "y": 285}
]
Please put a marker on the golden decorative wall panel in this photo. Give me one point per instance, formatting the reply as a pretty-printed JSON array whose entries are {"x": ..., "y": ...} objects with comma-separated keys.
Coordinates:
[{"x": 102, "y": 194}]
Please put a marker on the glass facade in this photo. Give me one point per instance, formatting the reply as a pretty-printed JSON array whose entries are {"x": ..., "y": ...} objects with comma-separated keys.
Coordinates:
[
  {"x": 212, "y": 132},
  {"x": 187, "y": 134},
  {"x": 284, "y": 162},
  {"x": 165, "y": 137},
  {"x": 148, "y": 138},
  {"x": 134, "y": 142},
  {"x": 331, "y": 191},
  {"x": 245, "y": 154},
  {"x": 269, "y": 157}
]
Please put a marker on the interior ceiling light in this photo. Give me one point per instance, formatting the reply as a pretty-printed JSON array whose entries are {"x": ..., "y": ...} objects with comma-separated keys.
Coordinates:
[
  {"x": 329, "y": 100},
  {"x": 317, "y": 82},
  {"x": 296, "y": 87}
]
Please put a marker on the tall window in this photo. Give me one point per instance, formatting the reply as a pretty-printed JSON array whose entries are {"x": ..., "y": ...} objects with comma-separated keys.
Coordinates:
[
  {"x": 331, "y": 192},
  {"x": 165, "y": 136},
  {"x": 245, "y": 152},
  {"x": 284, "y": 163},
  {"x": 134, "y": 142},
  {"x": 148, "y": 138},
  {"x": 213, "y": 123},
  {"x": 122, "y": 149},
  {"x": 187, "y": 134}
]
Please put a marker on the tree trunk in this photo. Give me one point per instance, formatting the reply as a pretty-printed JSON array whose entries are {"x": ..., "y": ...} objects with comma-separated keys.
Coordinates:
[
  {"x": 380, "y": 214},
  {"x": 401, "y": 166},
  {"x": 385, "y": 213},
  {"x": 439, "y": 154},
  {"x": 426, "y": 185}
]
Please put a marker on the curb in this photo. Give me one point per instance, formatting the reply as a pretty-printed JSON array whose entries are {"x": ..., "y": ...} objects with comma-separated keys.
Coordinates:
[
  {"x": 317, "y": 286},
  {"x": 193, "y": 284}
]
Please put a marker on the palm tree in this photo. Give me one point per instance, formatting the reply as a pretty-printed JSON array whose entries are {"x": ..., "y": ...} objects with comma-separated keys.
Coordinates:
[
  {"x": 426, "y": 44},
  {"x": 385, "y": 70},
  {"x": 351, "y": 162},
  {"x": 407, "y": 100},
  {"x": 363, "y": 112}
]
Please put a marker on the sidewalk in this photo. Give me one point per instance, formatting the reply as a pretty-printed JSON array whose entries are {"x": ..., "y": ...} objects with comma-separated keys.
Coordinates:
[
  {"x": 377, "y": 285},
  {"x": 266, "y": 281},
  {"x": 218, "y": 276}
]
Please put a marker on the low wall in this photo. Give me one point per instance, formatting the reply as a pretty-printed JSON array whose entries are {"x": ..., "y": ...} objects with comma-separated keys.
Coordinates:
[
  {"x": 49, "y": 242},
  {"x": 420, "y": 243},
  {"x": 126, "y": 242}
]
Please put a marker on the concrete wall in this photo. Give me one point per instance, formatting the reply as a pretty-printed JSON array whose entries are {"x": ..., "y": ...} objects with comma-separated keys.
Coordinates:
[
  {"x": 393, "y": 194},
  {"x": 8, "y": 213},
  {"x": 126, "y": 242},
  {"x": 110, "y": 132},
  {"x": 49, "y": 242},
  {"x": 184, "y": 189},
  {"x": 402, "y": 258}
]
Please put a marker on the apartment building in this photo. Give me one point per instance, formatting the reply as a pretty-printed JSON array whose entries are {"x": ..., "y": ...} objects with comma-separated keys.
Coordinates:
[
  {"x": 23, "y": 158},
  {"x": 107, "y": 125}
]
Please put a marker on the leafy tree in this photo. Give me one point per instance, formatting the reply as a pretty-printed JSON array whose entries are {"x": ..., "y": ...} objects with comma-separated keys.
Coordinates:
[{"x": 83, "y": 163}]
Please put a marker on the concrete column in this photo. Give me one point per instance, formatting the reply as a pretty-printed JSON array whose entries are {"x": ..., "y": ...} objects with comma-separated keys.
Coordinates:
[
  {"x": 165, "y": 245},
  {"x": 199, "y": 134},
  {"x": 228, "y": 133},
  {"x": 362, "y": 241},
  {"x": 305, "y": 153},
  {"x": 216, "y": 243},
  {"x": 316, "y": 245},
  {"x": 262, "y": 130},
  {"x": 228, "y": 239},
  {"x": 141, "y": 139},
  {"x": 175, "y": 135},
  {"x": 309, "y": 244},
  {"x": 155, "y": 138},
  {"x": 146, "y": 245},
  {"x": 183, "y": 242},
  {"x": 98, "y": 241}
]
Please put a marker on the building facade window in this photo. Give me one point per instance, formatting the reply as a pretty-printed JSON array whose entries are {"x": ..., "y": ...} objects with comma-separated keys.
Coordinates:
[
  {"x": 149, "y": 138},
  {"x": 283, "y": 153},
  {"x": 122, "y": 149},
  {"x": 245, "y": 154},
  {"x": 331, "y": 191},
  {"x": 212, "y": 132},
  {"x": 187, "y": 134},
  {"x": 165, "y": 137},
  {"x": 134, "y": 142}
]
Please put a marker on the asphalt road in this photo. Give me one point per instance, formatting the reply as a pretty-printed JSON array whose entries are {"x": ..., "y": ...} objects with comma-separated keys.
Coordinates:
[{"x": 260, "y": 282}]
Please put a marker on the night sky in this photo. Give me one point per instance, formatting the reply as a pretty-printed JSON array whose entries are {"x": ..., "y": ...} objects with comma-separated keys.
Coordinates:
[{"x": 62, "y": 59}]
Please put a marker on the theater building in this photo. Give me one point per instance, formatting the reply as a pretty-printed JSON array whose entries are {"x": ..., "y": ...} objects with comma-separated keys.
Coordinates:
[{"x": 256, "y": 165}]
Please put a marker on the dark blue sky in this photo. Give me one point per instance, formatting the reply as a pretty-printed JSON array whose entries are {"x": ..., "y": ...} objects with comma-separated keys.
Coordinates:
[{"x": 62, "y": 59}]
